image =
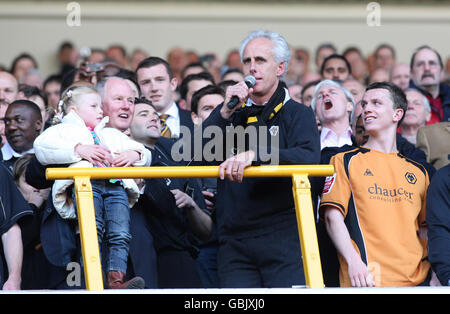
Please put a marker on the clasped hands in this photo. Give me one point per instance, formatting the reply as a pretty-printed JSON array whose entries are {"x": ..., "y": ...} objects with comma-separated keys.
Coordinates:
[{"x": 101, "y": 156}]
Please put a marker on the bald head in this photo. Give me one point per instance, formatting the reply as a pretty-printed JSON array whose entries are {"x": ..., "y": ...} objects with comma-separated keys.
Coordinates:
[
  {"x": 117, "y": 102},
  {"x": 400, "y": 75}
]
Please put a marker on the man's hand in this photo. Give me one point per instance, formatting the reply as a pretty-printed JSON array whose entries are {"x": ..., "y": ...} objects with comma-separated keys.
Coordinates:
[
  {"x": 233, "y": 167},
  {"x": 126, "y": 159},
  {"x": 38, "y": 197},
  {"x": 359, "y": 274},
  {"x": 209, "y": 200},
  {"x": 358, "y": 271},
  {"x": 434, "y": 281},
  {"x": 12, "y": 283},
  {"x": 239, "y": 90},
  {"x": 182, "y": 199},
  {"x": 95, "y": 154}
]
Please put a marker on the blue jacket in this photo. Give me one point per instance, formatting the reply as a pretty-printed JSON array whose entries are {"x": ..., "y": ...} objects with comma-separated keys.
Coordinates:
[
  {"x": 58, "y": 236},
  {"x": 438, "y": 221},
  {"x": 259, "y": 206},
  {"x": 444, "y": 94}
]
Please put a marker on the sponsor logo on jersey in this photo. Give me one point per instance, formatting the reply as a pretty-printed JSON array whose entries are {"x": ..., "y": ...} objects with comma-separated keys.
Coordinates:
[
  {"x": 389, "y": 194},
  {"x": 329, "y": 181}
]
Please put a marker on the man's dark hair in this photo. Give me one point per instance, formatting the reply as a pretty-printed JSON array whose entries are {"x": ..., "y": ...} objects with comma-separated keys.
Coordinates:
[
  {"x": 384, "y": 45},
  {"x": 203, "y": 76},
  {"x": 411, "y": 63},
  {"x": 397, "y": 95},
  {"x": 207, "y": 90},
  {"x": 232, "y": 70},
  {"x": 323, "y": 46},
  {"x": 193, "y": 65},
  {"x": 225, "y": 84},
  {"x": 52, "y": 78},
  {"x": 22, "y": 56},
  {"x": 312, "y": 83},
  {"x": 353, "y": 49},
  {"x": 120, "y": 47},
  {"x": 335, "y": 56},
  {"x": 65, "y": 45},
  {"x": 153, "y": 61},
  {"x": 68, "y": 79},
  {"x": 28, "y": 104},
  {"x": 143, "y": 100},
  {"x": 30, "y": 91}
]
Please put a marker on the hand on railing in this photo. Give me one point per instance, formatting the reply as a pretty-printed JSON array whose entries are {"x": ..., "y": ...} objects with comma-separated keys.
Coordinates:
[{"x": 233, "y": 167}]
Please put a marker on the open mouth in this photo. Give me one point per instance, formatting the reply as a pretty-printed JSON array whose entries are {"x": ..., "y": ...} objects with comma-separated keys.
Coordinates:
[
  {"x": 328, "y": 104},
  {"x": 123, "y": 116}
]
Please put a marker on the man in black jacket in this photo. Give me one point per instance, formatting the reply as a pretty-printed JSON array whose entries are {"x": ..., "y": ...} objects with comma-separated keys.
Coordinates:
[
  {"x": 14, "y": 210},
  {"x": 172, "y": 207},
  {"x": 259, "y": 244},
  {"x": 438, "y": 222}
]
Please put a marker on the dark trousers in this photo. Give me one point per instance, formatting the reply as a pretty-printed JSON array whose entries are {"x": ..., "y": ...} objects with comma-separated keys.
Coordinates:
[
  {"x": 142, "y": 257},
  {"x": 207, "y": 265},
  {"x": 270, "y": 260},
  {"x": 177, "y": 269}
]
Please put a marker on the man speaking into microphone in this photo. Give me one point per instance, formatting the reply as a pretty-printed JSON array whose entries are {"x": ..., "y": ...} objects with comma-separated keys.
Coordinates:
[{"x": 257, "y": 228}]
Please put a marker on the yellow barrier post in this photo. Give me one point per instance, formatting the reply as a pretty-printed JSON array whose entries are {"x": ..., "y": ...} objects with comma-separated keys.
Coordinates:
[
  {"x": 88, "y": 233},
  {"x": 301, "y": 189}
]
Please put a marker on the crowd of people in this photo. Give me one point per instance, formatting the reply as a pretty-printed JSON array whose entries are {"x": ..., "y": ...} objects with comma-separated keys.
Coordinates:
[{"x": 382, "y": 219}]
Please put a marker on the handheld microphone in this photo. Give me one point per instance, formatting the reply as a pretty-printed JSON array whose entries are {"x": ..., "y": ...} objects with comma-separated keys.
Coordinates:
[{"x": 250, "y": 81}]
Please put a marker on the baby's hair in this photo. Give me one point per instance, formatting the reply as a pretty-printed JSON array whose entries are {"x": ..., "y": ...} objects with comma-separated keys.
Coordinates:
[{"x": 70, "y": 97}]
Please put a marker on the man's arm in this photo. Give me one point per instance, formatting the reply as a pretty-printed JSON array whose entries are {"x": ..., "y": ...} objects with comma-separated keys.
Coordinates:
[
  {"x": 199, "y": 221},
  {"x": 13, "y": 249},
  {"x": 358, "y": 272}
]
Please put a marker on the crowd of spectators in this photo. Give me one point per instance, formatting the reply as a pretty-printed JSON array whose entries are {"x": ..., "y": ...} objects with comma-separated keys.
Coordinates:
[{"x": 231, "y": 231}]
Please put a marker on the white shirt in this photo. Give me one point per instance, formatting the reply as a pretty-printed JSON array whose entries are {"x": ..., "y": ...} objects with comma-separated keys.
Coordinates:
[
  {"x": 173, "y": 121},
  {"x": 328, "y": 138},
  {"x": 8, "y": 152}
]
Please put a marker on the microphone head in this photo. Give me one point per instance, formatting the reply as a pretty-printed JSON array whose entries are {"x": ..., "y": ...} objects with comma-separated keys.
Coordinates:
[{"x": 250, "y": 81}]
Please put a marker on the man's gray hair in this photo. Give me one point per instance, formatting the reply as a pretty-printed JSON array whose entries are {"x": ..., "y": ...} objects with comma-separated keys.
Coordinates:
[
  {"x": 426, "y": 102},
  {"x": 281, "y": 51},
  {"x": 347, "y": 93}
]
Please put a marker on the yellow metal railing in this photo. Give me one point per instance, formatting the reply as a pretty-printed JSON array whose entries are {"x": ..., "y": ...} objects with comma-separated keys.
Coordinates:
[{"x": 86, "y": 214}]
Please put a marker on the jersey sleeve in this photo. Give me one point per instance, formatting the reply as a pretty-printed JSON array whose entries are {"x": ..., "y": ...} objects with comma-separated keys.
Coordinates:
[{"x": 336, "y": 191}]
